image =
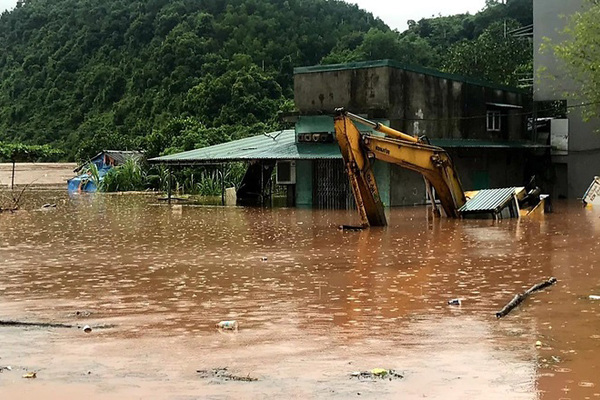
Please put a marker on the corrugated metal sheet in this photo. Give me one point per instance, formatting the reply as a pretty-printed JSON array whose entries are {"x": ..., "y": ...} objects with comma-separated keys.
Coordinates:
[
  {"x": 488, "y": 200},
  {"x": 271, "y": 146},
  {"x": 119, "y": 156},
  {"x": 282, "y": 146}
]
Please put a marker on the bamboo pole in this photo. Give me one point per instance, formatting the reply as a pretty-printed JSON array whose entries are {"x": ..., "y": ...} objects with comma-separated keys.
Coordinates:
[
  {"x": 169, "y": 186},
  {"x": 222, "y": 184},
  {"x": 12, "y": 182}
]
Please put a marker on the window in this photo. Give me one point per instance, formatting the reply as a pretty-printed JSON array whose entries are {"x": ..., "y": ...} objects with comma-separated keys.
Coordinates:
[{"x": 493, "y": 121}]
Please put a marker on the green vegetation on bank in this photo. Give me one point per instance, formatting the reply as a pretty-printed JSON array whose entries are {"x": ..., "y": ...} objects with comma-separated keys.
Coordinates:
[
  {"x": 165, "y": 76},
  {"x": 19, "y": 152},
  {"x": 136, "y": 175}
]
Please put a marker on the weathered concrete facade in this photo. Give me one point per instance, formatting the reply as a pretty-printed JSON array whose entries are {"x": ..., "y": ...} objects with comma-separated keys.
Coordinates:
[
  {"x": 446, "y": 108},
  {"x": 574, "y": 169},
  {"x": 415, "y": 101}
]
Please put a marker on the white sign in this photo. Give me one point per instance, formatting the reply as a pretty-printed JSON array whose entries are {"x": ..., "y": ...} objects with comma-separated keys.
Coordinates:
[{"x": 592, "y": 196}]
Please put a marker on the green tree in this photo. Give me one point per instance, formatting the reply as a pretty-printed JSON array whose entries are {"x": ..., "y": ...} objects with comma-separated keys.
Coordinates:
[
  {"x": 85, "y": 76},
  {"x": 580, "y": 54},
  {"x": 494, "y": 56}
]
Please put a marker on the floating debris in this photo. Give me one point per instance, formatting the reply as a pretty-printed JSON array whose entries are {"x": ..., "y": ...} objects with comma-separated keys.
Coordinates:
[
  {"x": 30, "y": 375},
  {"x": 377, "y": 373},
  {"x": 81, "y": 314},
  {"x": 455, "y": 302},
  {"x": 87, "y": 329},
  {"x": 224, "y": 374},
  {"x": 228, "y": 325},
  {"x": 592, "y": 194},
  {"x": 35, "y": 324},
  {"x": 351, "y": 227},
  {"x": 520, "y": 297},
  {"x": 594, "y": 297}
]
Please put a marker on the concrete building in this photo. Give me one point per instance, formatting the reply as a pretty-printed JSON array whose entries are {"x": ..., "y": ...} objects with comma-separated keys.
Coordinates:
[
  {"x": 575, "y": 146},
  {"x": 483, "y": 127}
]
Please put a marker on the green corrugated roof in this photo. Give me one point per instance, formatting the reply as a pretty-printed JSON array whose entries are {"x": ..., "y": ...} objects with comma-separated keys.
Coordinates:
[
  {"x": 407, "y": 67},
  {"x": 271, "y": 146},
  {"x": 282, "y": 146}
]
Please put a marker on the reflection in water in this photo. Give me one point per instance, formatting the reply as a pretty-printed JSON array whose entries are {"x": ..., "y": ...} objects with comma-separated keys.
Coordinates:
[{"x": 314, "y": 303}]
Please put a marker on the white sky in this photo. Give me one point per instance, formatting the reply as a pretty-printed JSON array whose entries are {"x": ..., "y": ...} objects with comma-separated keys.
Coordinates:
[
  {"x": 395, "y": 13},
  {"x": 5, "y": 4}
]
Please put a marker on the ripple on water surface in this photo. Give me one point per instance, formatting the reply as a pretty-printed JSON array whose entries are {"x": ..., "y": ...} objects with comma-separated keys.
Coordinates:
[{"x": 311, "y": 297}]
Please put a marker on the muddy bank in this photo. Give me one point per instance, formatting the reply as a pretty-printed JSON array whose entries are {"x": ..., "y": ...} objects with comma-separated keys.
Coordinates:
[
  {"x": 322, "y": 305},
  {"x": 37, "y": 174}
]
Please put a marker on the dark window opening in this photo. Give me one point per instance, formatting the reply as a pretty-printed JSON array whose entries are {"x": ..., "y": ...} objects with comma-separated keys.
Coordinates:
[{"x": 494, "y": 121}]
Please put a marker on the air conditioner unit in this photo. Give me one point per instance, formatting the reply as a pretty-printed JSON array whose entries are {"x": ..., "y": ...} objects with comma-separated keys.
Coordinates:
[{"x": 286, "y": 172}]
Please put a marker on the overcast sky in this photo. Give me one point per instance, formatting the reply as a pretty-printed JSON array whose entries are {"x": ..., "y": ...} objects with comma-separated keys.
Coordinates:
[{"x": 395, "y": 13}]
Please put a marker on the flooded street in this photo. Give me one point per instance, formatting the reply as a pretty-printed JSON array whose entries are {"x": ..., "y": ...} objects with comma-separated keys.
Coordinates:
[{"x": 153, "y": 281}]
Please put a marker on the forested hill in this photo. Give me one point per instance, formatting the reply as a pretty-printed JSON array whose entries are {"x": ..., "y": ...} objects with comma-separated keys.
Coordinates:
[
  {"x": 163, "y": 75},
  {"x": 489, "y": 45}
]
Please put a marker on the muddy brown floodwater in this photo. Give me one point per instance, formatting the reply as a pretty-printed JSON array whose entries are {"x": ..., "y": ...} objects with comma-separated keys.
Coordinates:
[{"x": 153, "y": 281}]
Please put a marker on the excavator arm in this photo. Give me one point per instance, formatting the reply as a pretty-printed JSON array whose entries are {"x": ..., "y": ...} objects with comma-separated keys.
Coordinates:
[{"x": 358, "y": 149}]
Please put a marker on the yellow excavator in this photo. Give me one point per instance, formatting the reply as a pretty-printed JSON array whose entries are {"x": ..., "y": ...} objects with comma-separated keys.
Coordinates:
[{"x": 432, "y": 162}]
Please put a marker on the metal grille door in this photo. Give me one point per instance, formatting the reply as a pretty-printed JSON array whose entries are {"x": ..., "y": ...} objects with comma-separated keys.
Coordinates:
[{"x": 331, "y": 188}]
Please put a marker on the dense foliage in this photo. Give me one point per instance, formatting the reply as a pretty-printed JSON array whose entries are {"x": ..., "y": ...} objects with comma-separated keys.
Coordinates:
[
  {"x": 172, "y": 75},
  {"x": 480, "y": 45},
  {"x": 581, "y": 56},
  {"x": 86, "y": 75},
  {"x": 19, "y": 152},
  {"x": 135, "y": 175}
]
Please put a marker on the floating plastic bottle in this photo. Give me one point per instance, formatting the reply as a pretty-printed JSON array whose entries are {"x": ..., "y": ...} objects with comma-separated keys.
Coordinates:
[
  {"x": 228, "y": 325},
  {"x": 455, "y": 302}
]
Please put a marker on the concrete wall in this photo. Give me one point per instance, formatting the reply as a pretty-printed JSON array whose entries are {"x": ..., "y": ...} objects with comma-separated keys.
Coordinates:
[
  {"x": 414, "y": 102},
  {"x": 549, "y": 20},
  {"x": 444, "y": 108},
  {"x": 359, "y": 90},
  {"x": 490, "y": 168},
  {"x": 382, "y": 176},
  {"x": 407, "y": 188},
  {"x": 551, "y": 82}
]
